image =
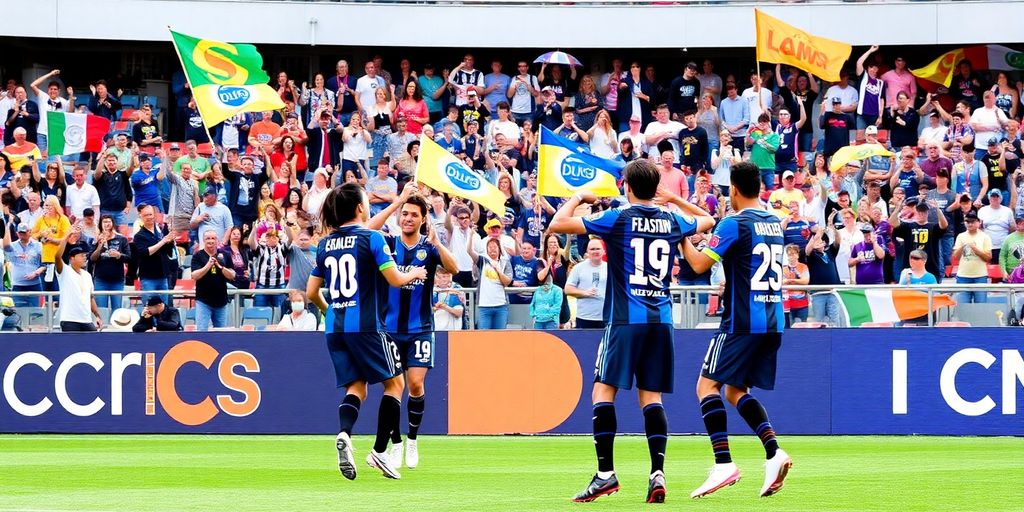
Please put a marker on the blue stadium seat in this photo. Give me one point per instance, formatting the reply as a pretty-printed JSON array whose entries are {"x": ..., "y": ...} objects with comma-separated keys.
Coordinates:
[
  {"x": 130, "y": 101},
  {"x": 266, "y": 314},
  {"x": 152, "y": 100}
]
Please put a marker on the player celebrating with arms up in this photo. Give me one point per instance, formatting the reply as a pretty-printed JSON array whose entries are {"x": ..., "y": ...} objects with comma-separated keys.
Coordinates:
[
  {"x": 410, "y": 316},
  {"x": 742, "y": 355},
  {"x": 357, "y": 266},
  {"x": 642, "y": 240}
]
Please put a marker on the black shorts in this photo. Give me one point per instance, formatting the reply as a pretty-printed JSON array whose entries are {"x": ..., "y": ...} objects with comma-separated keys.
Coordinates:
[
  {"x": 416, "y": 349},
  {"x": 644, "y": 351},
  {"x": 742, "y": 360},
  {"x": 367, "y": 356}
]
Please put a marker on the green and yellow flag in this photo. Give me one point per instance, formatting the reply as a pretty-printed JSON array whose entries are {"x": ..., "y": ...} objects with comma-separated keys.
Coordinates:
[{"x": 225, "y": 78}]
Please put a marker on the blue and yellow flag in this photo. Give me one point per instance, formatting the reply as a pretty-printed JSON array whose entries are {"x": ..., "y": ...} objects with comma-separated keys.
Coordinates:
[
  {"x": 566, "y": 167},
  {"x": 441, "y": 171}
]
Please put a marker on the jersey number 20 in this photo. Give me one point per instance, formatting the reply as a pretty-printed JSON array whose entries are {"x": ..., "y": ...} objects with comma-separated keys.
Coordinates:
[
  {"x": 341, "y": 275},
  {"x": 771, "y": 256}
]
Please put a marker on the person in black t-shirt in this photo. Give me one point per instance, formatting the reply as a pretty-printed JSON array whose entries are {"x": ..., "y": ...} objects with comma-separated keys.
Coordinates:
[
  {"x": 693, "y": 144},
  {"x": 683, "y": 92},
  {"x": 837, "y": 125},
  {"x": 821, "y": 252},
  {"x": 920, "y": 235},
  {"x": 211, "y": 275}
]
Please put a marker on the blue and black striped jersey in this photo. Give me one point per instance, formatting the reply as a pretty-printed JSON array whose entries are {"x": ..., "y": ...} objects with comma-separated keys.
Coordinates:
[
  {"x": 409, "y": 307},
  {"x": 749, "y": 245},
  {"x": 350, "y": 261},
  {"x": 642, "y": 242}
]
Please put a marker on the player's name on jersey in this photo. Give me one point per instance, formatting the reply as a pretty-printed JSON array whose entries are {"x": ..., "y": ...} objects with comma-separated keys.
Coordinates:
[
  {"x": 647, "y": 292},
  {"x": 345, "y": 242},
  {"x": 768, "y": 228},
  {"x": 767, "y": 297},
  {"x": 342, "y": 305},
  {"x": 646, "y": 225}
]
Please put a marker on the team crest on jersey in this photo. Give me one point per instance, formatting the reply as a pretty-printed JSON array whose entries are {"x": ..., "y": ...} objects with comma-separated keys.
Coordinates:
[
  {"x": 421, "y": 254},
  {"x": 713, "y": 242}
]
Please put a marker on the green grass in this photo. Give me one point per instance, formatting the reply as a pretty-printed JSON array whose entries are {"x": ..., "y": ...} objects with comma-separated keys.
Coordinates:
[{"x": 299, "y": 473}]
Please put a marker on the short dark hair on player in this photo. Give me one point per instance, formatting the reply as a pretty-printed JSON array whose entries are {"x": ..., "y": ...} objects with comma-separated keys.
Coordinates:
[
  {"x": 746, "y": 178},
  {"x": 341, "y": 203},
  {"x": 419, "y": 202},
  {"x": 642, "y": 177}
]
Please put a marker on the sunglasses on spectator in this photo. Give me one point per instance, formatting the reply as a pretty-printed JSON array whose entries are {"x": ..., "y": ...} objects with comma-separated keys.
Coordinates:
[
  {"x": 463, "y": 217},
  {"x": 915, "y": 257}
]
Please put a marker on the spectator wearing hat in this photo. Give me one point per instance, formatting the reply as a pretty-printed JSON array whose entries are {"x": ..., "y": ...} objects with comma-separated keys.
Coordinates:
[
  {"x": 26, "y": 264},
  {"x": 867, "y": 258},
  {"x": 836, "y": 124},
  {"x": 211, "y": 215},
  {"x": 1011, "y": 252},
  {"x": 787, "y": 194},
  {"x": 78, "y": 310},
  {"x": 145, "y": 181},
  {"x": 157, "y": 316},
  {"x": 973, "y": 248},
  {"x": 997, "y": 220},
  {"x": 994, "y": 164},
  {"x": 473, "y": 110},
  {"x": 548, "y": 112},
  {"x": 495, "y": 270},
  {"x": 635, "y": 93},
  {"x": 920, "y": 234},
  {"x": 877, "y": 167},
  {"x": 211, "y": 276}
]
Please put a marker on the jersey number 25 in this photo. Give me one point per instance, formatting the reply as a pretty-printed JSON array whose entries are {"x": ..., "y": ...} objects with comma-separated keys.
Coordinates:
[{"x": 771, "y": 256}]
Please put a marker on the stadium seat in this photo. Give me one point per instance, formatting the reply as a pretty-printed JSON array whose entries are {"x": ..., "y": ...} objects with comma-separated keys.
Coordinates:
[
  {"x": 128, "y": 114},
  {"x": 877, "y": 324},
  {"x": 249, "y": 327},
  {"x": 153, "y": 101},
  {"x": 809, "y": 325},
  {"x": 995, "y": 273},
  {"x": 952, "y": 323},
  {"x": 130, "y": 101},
  {"x": 712, "y": 305},
  {"x": 266, "y": 314},
  {"x": 190, "y": 328}
]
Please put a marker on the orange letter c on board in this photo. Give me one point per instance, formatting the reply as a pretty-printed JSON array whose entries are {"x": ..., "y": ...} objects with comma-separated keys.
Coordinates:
[{"x": 510, "y": 382}]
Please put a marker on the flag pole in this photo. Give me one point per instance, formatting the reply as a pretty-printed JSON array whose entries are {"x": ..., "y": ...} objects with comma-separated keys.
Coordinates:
[{"x": 188, "y": 80}]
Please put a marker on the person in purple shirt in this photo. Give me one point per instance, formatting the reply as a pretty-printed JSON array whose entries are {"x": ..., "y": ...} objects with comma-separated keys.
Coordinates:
[
  {"x": 934, "y": 161},
  {"x": 867, "y": 258},
  {"x": 872, "y": 92}
]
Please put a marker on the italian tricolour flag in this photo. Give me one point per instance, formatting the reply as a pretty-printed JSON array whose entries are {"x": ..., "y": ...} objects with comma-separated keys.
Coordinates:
[
  {"x": 888, "y": 305},
  {"x": 75, "y": 133}
]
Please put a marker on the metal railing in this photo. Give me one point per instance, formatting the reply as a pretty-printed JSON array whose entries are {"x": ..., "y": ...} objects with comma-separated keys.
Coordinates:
[{"x": 688, "y": 312}]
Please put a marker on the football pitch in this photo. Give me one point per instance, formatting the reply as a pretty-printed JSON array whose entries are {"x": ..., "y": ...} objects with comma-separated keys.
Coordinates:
[{"x": 514, "y": 473}]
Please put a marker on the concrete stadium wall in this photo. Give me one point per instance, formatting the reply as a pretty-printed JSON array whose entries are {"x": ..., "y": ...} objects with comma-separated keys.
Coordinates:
[
  {"x": 654, "y": 26},
  {"x": 844, "y": 381}
]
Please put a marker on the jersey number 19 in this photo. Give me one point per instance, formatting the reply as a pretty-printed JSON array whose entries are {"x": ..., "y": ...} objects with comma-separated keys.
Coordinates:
[{"x": 656, "y": 254}]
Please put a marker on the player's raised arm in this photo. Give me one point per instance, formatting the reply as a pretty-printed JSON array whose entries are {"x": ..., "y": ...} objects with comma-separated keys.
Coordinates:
[
  {"x": 704, "y": 219},
  {"x": 564, "y": 222}
]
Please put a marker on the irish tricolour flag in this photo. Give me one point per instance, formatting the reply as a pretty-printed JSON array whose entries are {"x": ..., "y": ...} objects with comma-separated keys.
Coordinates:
[
  {"x": 75, "y": 133},
  {"x": 888, "y": 305}
]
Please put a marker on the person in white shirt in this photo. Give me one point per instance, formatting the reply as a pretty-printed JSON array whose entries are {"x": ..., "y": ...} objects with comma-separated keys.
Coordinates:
[
  {"x": 448, "y": 304},
  {"x": 988, "y": 122},
  {"x": 49, "y": 101},
  {"x": 759, "y": 99},
  {"x": 663, "y": 129},
  {"x": 523, "y": 91},
  {"x": 366, "y": 88},
  {"x": 81, "y": 195},
  {"x": 78, "y": 310},
  {"x": 996, "y": 220},
  {"x": 504, "y": 125},
  {"x": 300, "y": 319},
  {"x": 587, "y": 282},
  {"x": 848, "y": 96},
  {"x": 935, "y": 132},
  {"x": 464, "y": 78}
]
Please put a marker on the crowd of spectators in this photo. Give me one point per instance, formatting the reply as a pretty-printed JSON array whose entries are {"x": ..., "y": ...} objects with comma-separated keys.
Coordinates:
[{"x": 237, "y": 204}]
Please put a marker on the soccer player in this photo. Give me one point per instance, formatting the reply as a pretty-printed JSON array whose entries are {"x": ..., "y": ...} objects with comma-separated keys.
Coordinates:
[
  {"x": 356, "y": 265},
  {"x": 410, "y": 315},
  {"x": 642, "y": 241},
  {"x": 742, "y": 355}
]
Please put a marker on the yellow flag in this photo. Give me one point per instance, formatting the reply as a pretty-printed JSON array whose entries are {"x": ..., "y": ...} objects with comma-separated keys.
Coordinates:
[
  {"x": 941, "y": 70},
  {"x": 441, "y": 171},
  {"x": 780, "y": 42},
  {"x": 565, "y": 167}
]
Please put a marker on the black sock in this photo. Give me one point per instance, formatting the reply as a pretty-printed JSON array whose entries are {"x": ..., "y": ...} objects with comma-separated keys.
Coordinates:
[
  {"x": 348, "y": 412},
  {"x": 755, "y": 415},
  {"x": 416, "y": 405},
  {"x": 715, "y": 420},
  {"x": 396, "y": 429},
  {"x": 656, "y": 427},
  {"x": 604, "y": 435},
  {"x": 387, "y": 418}
]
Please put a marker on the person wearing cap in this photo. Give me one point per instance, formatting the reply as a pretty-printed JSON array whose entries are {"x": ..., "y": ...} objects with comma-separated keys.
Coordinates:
[
  {"x": 836, "y": 124},
  {"x": 867, "y": 258},
  {"x": 684, "y": 92},
  {"x": 211, "y": 215},
  {"x": 121, "y": 150},
  {"x": 787, "y": 194},
  {"x": 473, "y": 110},
  {"x": 994, "y": 164},
  {"x": 145, "y": 181},
  {"x": 1011, "y": 252},
  {"x": 78, "y": 310},
  {"x": 157, "y": 316},
  {"x": 973, "y": 248},
  {"x": 494, "y": 267},
  {"x": 919, "y": 234},
  {"x": 548, "y": 112},
  {"x": 26, "y": 264},
  {"x": 997, "y": 220}
]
